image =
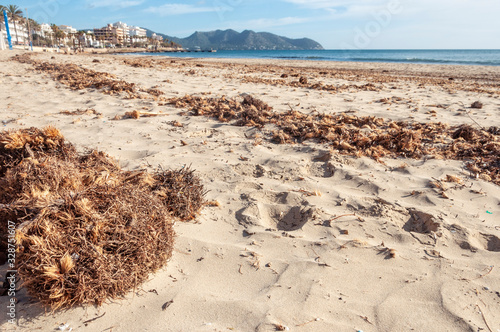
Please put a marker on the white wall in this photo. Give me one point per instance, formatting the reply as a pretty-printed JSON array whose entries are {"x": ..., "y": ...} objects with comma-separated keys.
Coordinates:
[{"x": 3, "y": 43}]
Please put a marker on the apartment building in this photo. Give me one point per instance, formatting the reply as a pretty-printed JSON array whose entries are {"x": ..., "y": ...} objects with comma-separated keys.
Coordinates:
[
  {"x": 18, "y": 32},
  {"x": 137, "y": 34},
  {"x": 125, "y": 31},
  {"x": 110, "y": 34},
  {"x": 120, "y": 33},
  {"x": 45, "y": 30},
  {"x": 67, "y": 29}
]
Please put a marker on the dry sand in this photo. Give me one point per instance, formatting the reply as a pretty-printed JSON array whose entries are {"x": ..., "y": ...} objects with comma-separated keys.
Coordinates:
[{"x": 300, "y": 241}]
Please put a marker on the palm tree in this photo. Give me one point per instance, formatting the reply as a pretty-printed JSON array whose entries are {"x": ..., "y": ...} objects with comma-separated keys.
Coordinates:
[
  {"x": 54, "y": 28},
  {"x": 35, "y": 26},
  {"x": 58, "y": 33},
  {"x": 14, "y": 13},
  {"x": 61, "y": 35},
  {"x": 2, "y": 8},
  {"x": 81, "y": 38}
]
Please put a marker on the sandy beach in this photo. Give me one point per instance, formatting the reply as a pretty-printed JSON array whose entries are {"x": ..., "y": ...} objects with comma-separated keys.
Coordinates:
[{"x": 306, "y": 234}]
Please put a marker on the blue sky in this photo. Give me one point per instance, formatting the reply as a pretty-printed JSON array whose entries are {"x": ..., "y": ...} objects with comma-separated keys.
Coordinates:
[{"x": 336, "y": 24}]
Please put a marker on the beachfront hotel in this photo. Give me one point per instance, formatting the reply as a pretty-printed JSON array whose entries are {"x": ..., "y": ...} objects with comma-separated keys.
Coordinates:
[
  {"x": 120, "y": 33},
  {"x": 132, "y": 34},
  {"x": 137, "y": 34},
  {"x": 18, "y": 32},
  {"x": 68, "y": 29},
  {"x": 109, "y": 34},
  {"x": 45, "y": 30}
]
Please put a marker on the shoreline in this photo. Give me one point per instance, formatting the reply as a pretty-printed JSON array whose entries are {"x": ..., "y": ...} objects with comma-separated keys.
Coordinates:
[
  {"x": 303, "y": 233},
  {"x": 169, "y": 52},
  {"x": 356, "y": 56}
]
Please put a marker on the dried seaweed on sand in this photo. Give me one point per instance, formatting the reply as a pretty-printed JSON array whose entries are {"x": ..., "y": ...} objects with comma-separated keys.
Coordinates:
[
  {"x": 361, "y": 136},
  {"x": 249, "y": 112},
  {"x": 86, "y": 230},
  {"x": 77, "y": 78},
  {"x": 303, "y": 82}
]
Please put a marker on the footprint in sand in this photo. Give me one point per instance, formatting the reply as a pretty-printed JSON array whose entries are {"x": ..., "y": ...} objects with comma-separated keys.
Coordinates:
[
  {"x": 255, "y": 171},
  {"x": 423, "y": 223},
  {"x": 322, "y": 169},
  {"x": 283, "y": 211},
  {"x": 491, "y": 242}
]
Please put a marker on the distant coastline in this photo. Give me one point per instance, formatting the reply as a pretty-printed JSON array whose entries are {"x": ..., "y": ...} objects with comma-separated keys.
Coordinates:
[{"x": 246, "y": 40}]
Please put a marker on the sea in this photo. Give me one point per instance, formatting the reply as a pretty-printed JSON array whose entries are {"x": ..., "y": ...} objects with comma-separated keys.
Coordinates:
[{"x": 442, "y": 57}]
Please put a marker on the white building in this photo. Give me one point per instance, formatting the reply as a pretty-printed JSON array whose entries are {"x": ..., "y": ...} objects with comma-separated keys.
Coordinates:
[
  {"x": 157, "y": 37},
  {"x": 136, "y": 34},
  {"x": 18, "y": 32},
  {"x": 87, "y": 39},
  {"x": 124, "y": 29},
  {"x": 67, "y": 29},
  {"x": 3, "y": 40},
  {"x": 121, "y": 25},
  {"x": 45, "y": 30}
]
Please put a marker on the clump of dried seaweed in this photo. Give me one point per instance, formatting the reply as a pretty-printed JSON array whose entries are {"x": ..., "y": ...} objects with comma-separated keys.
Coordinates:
[
  {"x": 361, "y": 136},
  {"x": 249, "y": 112},
  {"x": 180, "y": 191},
  {"x": 86, "y": 230},
  {"x": 24, "y": 58},
  {"x": 33, "y": 142}
]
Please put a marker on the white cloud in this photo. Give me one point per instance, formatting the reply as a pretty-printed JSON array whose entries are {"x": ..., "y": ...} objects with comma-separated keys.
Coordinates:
[
  {"x": 266, "y": 23},
  {"x": 178, "y": 9},
  {"x": 358, "y": 8},
  {"x": 324, "y": 4},
  {"x": 257, "y": 24},
  {"x": 316, "y": 4},
  {"x": 118, "y": 4},
  {"x": 347, "y": 9}
]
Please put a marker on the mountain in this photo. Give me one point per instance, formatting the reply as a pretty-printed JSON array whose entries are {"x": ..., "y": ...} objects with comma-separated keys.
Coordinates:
[{"x": 246, "y": 40}]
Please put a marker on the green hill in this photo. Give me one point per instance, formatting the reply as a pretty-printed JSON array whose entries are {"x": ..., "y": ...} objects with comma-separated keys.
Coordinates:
[{"x": 246, "y": 40}]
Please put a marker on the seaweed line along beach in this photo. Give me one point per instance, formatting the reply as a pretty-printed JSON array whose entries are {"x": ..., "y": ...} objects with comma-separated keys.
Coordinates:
[{"x": 307, "y": 190}]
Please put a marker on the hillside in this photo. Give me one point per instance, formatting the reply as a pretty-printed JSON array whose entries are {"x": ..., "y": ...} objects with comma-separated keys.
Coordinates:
[{"x": 246, "y": 40}]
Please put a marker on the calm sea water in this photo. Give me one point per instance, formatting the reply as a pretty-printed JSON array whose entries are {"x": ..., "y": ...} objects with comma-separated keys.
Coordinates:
[{"x": 452, "y": 57}]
